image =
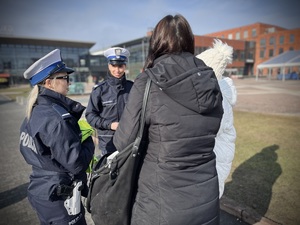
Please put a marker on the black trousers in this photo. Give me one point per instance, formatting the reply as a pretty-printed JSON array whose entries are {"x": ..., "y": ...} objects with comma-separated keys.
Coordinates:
[{"x": 55, "y": 212}]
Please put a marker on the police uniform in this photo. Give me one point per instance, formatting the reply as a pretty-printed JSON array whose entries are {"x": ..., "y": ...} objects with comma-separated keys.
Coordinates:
[
  {"x": 50, "y": 141},
  {"x": 108, "y": 100}
]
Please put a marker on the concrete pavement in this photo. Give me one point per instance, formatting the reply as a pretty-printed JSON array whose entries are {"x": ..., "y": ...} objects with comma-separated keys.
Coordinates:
[
  {"x": 14, "y": 206},
  {"x": 268, "y": 96},
  {"x": 274, "y": 97}
]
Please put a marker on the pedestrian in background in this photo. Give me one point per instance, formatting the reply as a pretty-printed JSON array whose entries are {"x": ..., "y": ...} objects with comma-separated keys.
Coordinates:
[
  {"x": 218, "y": 57},
  {"x": 178, "y": 181},
  {"x": 108, "y": 99},
  {"x": 51, "y": 142}
]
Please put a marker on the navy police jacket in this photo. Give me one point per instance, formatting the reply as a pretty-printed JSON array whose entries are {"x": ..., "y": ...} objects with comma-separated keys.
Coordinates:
[
  {"x": 105, "y": 106},
  {"x": 50, "y": 141}
]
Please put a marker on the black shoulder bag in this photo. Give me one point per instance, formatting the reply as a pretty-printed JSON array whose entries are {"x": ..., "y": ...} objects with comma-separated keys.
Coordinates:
[{"x": 112, "y": 184}]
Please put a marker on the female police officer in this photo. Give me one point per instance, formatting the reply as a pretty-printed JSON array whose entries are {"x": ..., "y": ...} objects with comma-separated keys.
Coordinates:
[
  {"x": 108, "y": 99},
  {"x": 51, "y": 141}
]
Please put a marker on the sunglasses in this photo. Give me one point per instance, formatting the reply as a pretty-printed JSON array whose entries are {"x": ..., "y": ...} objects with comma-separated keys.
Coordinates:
[{"x": 66, "y": 77}]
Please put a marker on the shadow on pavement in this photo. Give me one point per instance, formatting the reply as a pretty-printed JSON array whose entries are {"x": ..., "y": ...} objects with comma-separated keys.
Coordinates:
[
  {"x": 258, "y": 195},
  {"x": 4, "y": 101},
  {"x": 13, "y": 196}
]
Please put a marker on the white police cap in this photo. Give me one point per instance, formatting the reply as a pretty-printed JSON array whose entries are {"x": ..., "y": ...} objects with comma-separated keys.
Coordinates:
[
  {"x": 45, "y": 67},
  {"x": 117, "y": 55}
]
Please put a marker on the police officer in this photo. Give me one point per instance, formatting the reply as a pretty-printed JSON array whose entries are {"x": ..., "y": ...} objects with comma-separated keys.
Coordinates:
[
  {"x": 51, "y": 142},
  {"x": 108, "y": 99}
]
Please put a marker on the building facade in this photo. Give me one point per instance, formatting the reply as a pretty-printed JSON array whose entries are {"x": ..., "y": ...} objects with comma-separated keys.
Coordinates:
[
  {"x": 244, "y": 53},
  {"x": 17, "y": 54},
  {"x": 270, "y": 41},
  {"x": 253, "y": 44}
]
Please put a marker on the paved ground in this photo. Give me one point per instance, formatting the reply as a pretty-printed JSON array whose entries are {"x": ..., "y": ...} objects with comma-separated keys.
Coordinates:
[
  {"x": 275, "y": 97},
  {"x": 268, "y": 96},
  {"x": 261, "y": 96},
  {"x": 14, "y": 172}
]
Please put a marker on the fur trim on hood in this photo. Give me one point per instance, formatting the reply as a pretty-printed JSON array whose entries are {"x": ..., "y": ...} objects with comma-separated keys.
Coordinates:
[{"x": 217, "y": 57}]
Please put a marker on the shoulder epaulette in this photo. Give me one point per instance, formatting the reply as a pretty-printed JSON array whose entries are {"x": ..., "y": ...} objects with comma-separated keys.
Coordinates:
[
  {"x": 99, "y": 84},
  {"x": 95, "y": 86},
  {"x": 61, "y": 111}
]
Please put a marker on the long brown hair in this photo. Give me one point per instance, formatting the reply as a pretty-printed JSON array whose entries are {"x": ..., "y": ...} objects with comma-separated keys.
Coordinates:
[{"x": 171, "y": 35}]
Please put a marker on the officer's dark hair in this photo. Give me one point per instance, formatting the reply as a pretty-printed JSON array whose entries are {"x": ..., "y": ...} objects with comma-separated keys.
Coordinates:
[{"x": 171, "y": 35}]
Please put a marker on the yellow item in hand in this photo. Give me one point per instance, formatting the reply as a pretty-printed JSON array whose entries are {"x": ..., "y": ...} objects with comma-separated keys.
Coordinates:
[
  {"x": 86, "y": 129},
  {"x": 92, "y": 164}
]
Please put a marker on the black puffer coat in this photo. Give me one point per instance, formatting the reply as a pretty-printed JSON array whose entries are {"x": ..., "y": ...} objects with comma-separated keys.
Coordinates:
[{"x": 178, "y": 182}]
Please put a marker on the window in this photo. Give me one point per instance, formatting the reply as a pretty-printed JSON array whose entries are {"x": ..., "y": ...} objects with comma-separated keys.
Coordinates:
[
  {"x": 94, "y": 62},
  {"x": 32, "y": 48},
  {"x": 281, "y": 40},
  {"x": 250, "y": 55},
  {"x": 245, "y": 34},
  {"x": 82, "y": 62},
  {"x": 292, "y": 38},
  {"x": 291, "y": 49},
  {"x": 253, "y": 32},
  {"x": 198, "y": 50},
  {"x": 271, "y": 52},
  {"x": 229, "y": 36},
  {"x": 262, "y": 54},
  {"x": 262, "y": 42},
  {"x": 280, "y": 50},
  {"x": 272, "y": 41},
  {"x": 242, "y": 55},
  {"x": 271, "y": 29},
  {"x": 103, "y": 61},
  {"x": 237, "y": 36},
  {"x": 70, "y": 62},
  {"x": 7, "y": 65},
  {"x": 235, "y": 56},
  {"x": 39, "y": 48},
  {"x": 238, "y": 55},
  {"x": 251, "y": 44}
]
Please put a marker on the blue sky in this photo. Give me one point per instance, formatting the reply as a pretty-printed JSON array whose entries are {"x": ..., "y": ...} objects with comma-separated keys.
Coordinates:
[{"x": 109, "y": 22}]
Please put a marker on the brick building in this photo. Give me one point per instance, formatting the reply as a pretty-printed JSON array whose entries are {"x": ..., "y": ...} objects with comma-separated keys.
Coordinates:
[
  {"x": 270, "y": 41},
  {"x": 253, "y": 44}
]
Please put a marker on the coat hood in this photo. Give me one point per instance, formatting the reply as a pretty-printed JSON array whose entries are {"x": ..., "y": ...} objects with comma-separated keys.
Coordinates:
[
  {"x": 217, "y": 57},
  {"x": 187, "y": 80}
]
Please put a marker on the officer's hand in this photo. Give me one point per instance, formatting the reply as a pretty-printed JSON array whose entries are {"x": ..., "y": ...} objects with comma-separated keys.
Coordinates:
[{"x": 114, "y": 125}]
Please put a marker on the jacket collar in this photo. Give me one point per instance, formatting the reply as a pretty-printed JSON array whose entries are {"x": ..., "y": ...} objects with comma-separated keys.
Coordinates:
[
  {"x": 117, "y": 82},
  {"x": 47, "y": 96}
]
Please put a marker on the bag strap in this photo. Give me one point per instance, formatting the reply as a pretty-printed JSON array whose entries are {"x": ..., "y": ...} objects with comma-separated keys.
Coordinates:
[
  {"x": 143, "y": 118},
  {"x": 145, "y": 100}
]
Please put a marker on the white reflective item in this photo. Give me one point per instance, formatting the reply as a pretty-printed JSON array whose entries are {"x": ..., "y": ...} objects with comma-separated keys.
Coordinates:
[
  {"x": 110, "y": 158},
  {"x": 73, "y": 204}
]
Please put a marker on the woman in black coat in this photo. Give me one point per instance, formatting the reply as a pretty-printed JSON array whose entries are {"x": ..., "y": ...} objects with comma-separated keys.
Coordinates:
[{"x": 178, "y": 182}]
